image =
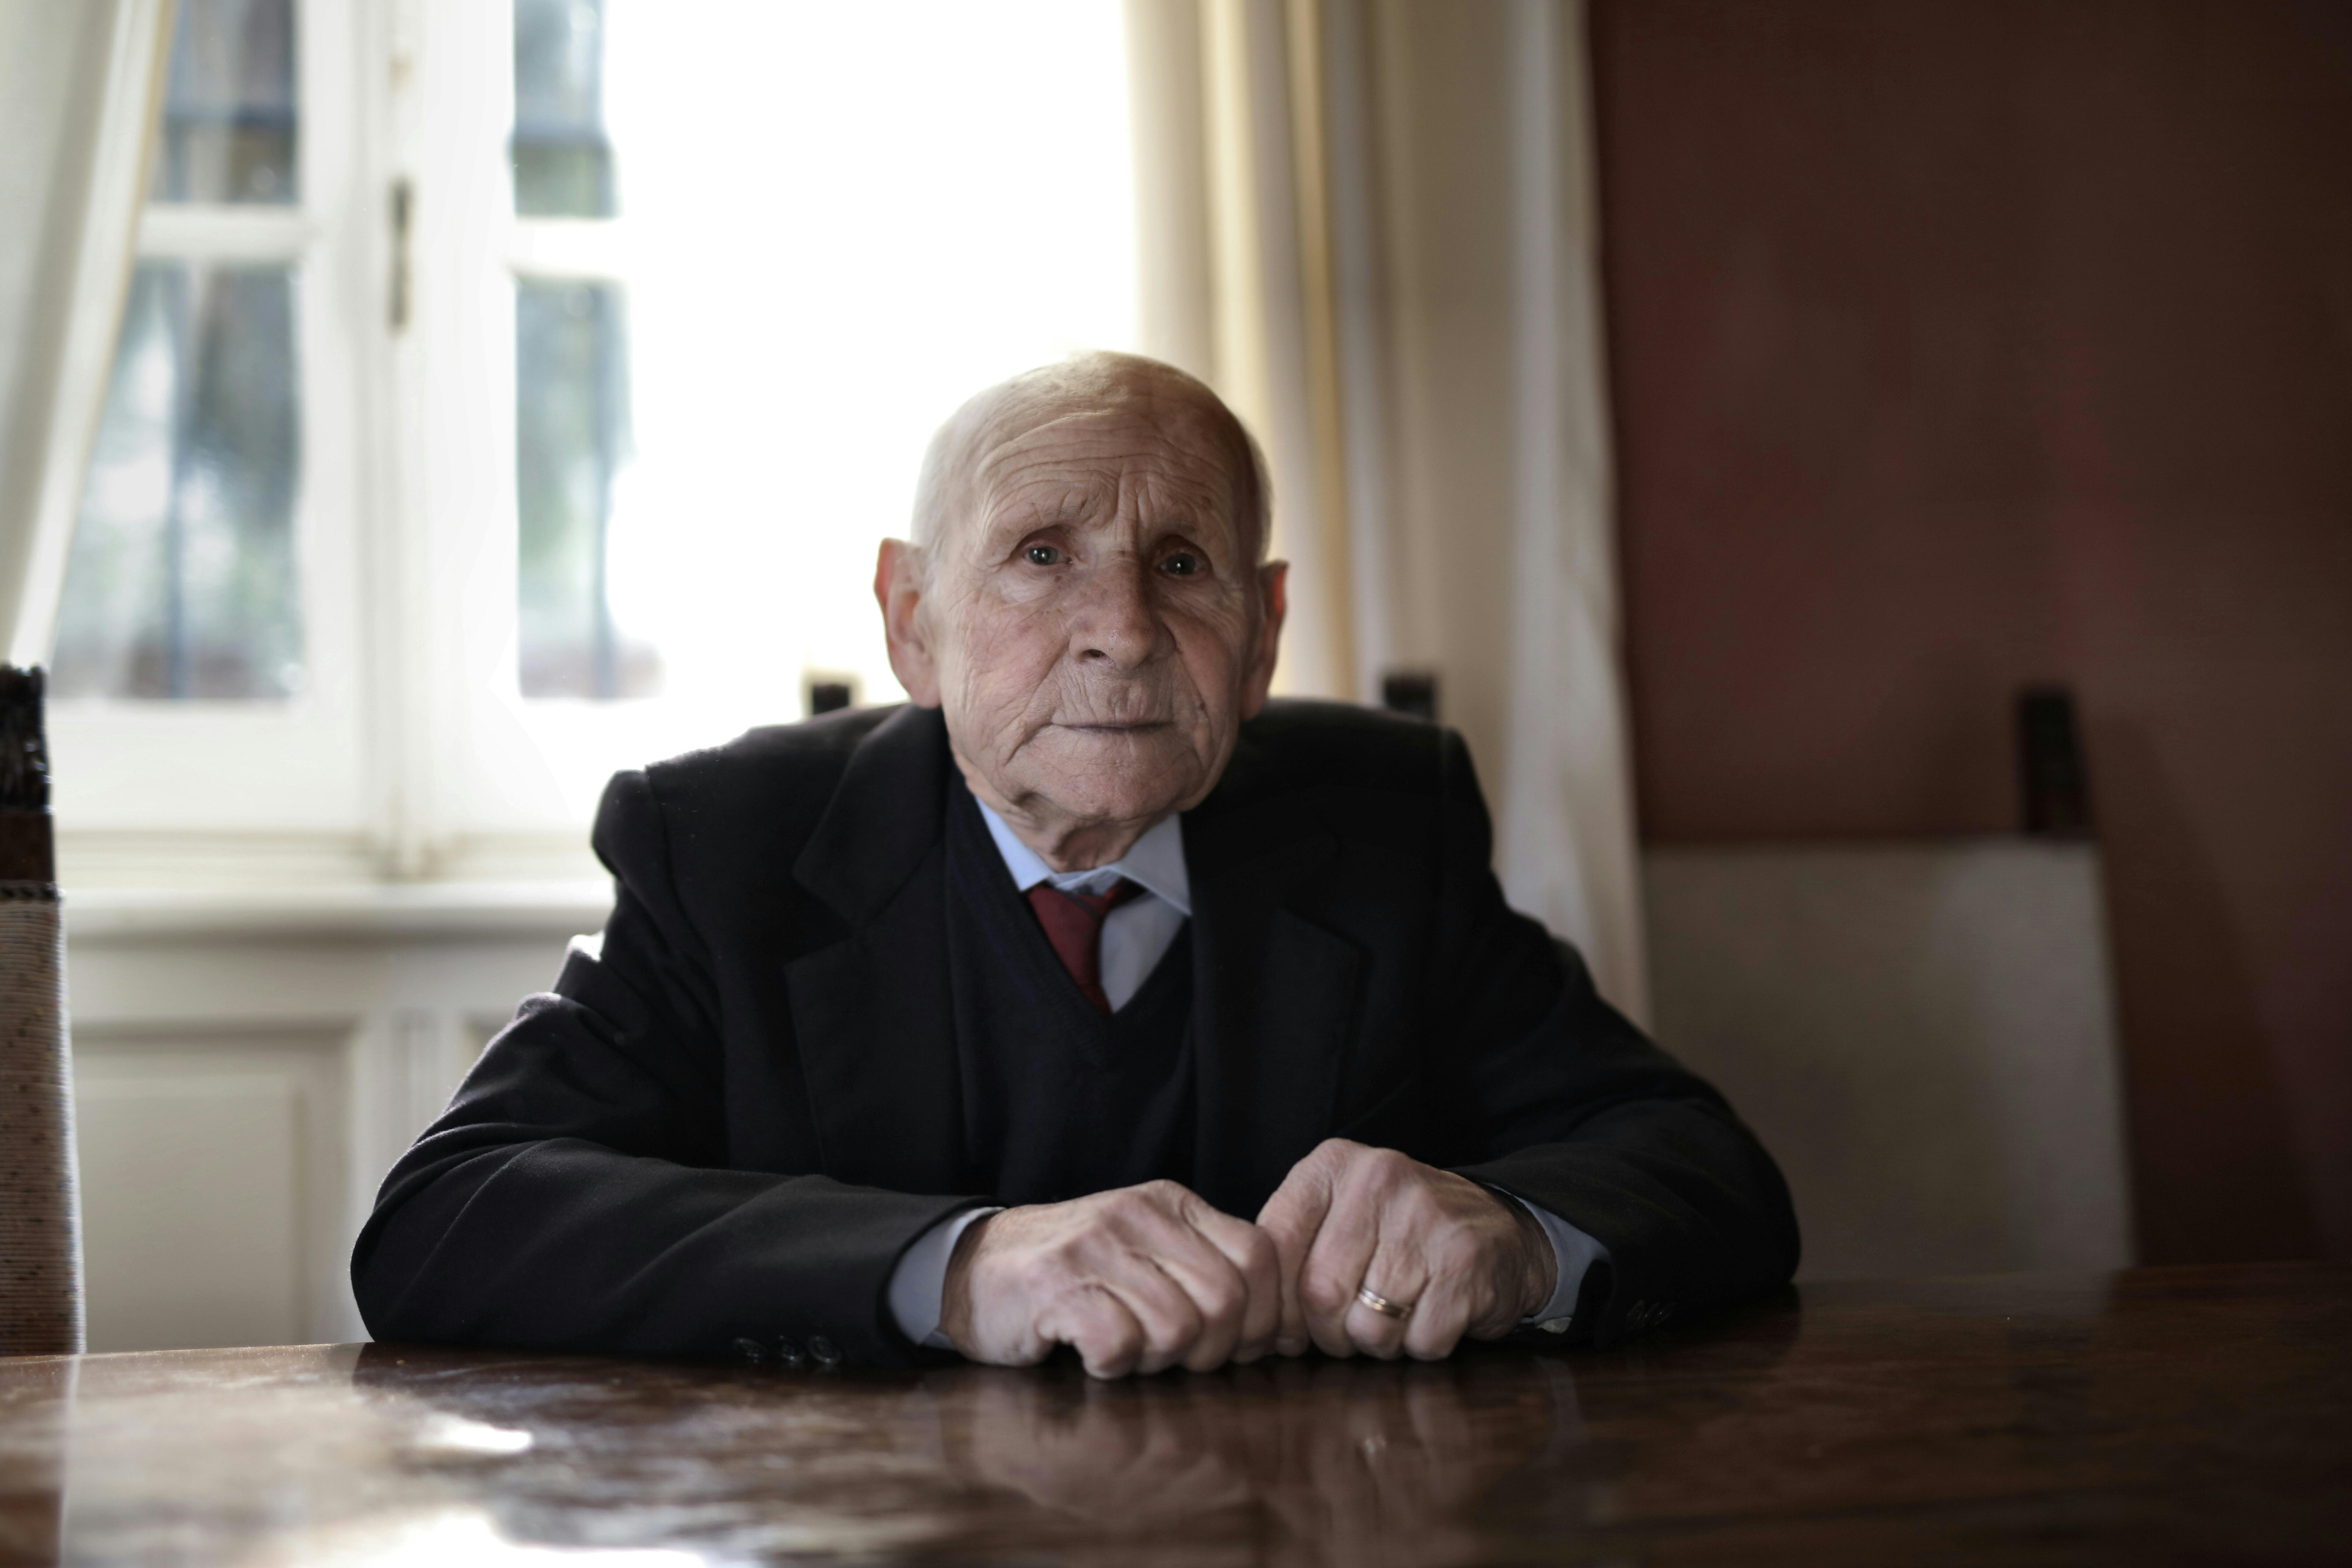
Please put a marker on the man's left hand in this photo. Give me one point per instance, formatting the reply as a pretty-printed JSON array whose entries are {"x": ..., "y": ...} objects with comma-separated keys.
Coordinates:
[{"x": 1457, "y": 1258}]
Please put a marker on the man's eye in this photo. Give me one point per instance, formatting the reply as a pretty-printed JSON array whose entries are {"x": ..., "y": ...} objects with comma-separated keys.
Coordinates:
[
  {"x": 1043, "y": 555},
  {"x": 1183, "y": 564}
]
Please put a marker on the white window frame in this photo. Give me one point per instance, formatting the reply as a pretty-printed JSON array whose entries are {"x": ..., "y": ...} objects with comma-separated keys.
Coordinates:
[
  {"x": 276, "y": 789},
  {"x": 481, "y": 798},
  {"x": 407, "y": 756}
]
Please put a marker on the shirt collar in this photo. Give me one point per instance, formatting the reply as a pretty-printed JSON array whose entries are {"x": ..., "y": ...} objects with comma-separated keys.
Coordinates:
[{"x": 1156, "y": 863}]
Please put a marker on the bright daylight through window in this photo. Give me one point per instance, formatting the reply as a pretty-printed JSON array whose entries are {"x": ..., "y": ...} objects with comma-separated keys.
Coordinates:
[
  {"x": 182, "y": 581},
  {"x": 538, "y": 415}
]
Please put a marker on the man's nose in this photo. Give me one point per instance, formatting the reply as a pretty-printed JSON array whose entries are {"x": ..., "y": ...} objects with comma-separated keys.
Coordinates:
[{"x": 1117, "y": 622}]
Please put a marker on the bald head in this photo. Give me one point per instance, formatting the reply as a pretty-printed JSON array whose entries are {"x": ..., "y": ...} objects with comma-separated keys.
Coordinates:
[
  {"x": 1160, "y": 398},
  {"x": 1086, "y": 600}
]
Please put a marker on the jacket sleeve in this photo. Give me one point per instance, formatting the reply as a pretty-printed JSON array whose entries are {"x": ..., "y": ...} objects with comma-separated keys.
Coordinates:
[
  {"x": 573, "y": 1196},
  {"x": 1557, "y": 1098}
]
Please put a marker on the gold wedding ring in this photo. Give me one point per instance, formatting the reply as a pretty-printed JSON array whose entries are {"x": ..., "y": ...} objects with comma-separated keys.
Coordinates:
[{"x": 1381, "y": 1304}]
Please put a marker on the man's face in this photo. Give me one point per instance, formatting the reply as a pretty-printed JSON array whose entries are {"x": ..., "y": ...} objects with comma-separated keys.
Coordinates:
[{"x": 1095, "y": 626}]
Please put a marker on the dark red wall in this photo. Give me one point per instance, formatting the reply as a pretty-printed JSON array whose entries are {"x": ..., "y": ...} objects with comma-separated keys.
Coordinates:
[{"x": 1958, "y": 345}]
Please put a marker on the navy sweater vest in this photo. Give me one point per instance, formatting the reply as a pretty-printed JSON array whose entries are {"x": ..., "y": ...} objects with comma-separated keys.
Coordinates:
[{"x": 1059, "y": 1101}]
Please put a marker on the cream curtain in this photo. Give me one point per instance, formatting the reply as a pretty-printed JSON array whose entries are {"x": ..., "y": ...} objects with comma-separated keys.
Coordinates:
[
  {"x": 78, "y": 85},
  {"x": 78, "y": 89},
  {"x": 1370, "y": 224}
]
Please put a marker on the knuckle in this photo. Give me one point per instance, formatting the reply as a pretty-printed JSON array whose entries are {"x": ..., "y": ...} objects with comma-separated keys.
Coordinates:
[
  {"x": 1323, "y": 1292},
  {"x": 1173, "y": 1337},
  {"x": 1222, "y": 1300}
]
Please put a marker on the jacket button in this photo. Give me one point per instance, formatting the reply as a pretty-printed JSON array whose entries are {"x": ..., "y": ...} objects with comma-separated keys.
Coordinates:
[
  {"x": 824, "y": 1351},
  {"x": 751, "y": 1352},
  {"x": 788, "y": 1354}
]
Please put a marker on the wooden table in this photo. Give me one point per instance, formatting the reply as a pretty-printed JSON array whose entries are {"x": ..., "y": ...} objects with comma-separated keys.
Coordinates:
[{"x": 2157, "y": 1416}]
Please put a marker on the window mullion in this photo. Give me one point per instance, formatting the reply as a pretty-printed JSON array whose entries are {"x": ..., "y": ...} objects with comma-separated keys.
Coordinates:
[
  {"x": 227, "y": 234},
  {"x": 446, "y": 579}
]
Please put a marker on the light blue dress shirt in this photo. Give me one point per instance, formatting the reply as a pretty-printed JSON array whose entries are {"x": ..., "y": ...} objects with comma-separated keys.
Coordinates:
[{"x": 1136, "y": 936}]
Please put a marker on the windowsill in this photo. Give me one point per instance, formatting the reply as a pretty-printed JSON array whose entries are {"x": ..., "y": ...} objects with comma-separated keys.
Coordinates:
[{"x": 418, "y": 909}]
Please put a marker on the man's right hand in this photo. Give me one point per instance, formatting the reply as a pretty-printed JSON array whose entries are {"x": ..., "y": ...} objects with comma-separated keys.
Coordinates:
[{"x": 1136, "y": 1280}]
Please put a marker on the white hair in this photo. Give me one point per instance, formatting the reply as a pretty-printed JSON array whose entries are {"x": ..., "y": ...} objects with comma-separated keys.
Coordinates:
[{"x": 944, "y": 493}]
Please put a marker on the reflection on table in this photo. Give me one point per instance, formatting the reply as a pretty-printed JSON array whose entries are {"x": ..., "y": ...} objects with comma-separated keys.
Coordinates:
[{"x": 2153, "y": 1416}]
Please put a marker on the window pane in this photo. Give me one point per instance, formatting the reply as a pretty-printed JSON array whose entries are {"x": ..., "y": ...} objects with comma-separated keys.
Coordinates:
[
  {"x": 228, "y": 127},
  {"x": 182, "y": 581},
  {"x": 571, "y": 442},
  {"x": 562, "y": 164}
]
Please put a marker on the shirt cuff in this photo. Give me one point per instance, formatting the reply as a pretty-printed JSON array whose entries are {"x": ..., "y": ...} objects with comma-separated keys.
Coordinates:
[
  {"x": 1574, "y": 1252},
  {"x": 919, "y": 1282}
]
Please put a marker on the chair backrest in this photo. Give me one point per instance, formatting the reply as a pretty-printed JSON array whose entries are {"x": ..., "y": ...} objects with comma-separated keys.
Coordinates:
[
  {"x": 1922, "y": 1035},
  {"x": 40, "y": 1228}
]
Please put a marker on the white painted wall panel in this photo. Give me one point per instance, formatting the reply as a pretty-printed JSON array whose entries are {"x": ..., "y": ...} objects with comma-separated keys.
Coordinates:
[
  {"x": 214, "y": 1179},
  {"x": 242, "y": 1090}
]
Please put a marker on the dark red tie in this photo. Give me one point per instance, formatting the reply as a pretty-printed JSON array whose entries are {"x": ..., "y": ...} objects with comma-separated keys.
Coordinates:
[{"x": 1073, "y": 923}]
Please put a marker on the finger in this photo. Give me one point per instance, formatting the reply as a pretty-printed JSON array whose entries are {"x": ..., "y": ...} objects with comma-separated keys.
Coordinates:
[
  {"x": 1293, "y": 1218},
  {"x": 1217, "y": 1303},
  {"x": 1439, "y": 1319},
  {"x": 1397, "y": 1273},
  {"x": 1251, "y": 1251},
  {"x": 1099, "y": 1326},
  {"x": 1336, "y": 1266},
  {"x": 1164, "y": 1228},
  {"x": 1215, "y": 1289},
  {"x": 1165, "y": 1311}
]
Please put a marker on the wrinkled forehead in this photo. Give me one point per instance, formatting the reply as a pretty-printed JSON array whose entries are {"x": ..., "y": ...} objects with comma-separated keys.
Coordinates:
[
  {"x": 1169, "y": 440},
  {"x": 1171, "y": 448}
]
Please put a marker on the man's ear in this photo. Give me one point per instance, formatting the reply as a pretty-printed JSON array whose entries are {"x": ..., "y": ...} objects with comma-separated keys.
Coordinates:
[
  {"x": 1273, "y": 602},
  {"x": 899, "y": 580}
]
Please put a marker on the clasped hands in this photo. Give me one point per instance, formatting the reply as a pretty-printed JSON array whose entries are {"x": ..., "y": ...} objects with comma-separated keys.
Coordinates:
[{"x": 1142, "y": 1278}]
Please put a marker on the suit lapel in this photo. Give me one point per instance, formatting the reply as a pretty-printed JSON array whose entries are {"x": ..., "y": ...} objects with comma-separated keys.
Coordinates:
[
  {"x": 1274, "y": 1002},
  {"x": 872, "y": 1013}
]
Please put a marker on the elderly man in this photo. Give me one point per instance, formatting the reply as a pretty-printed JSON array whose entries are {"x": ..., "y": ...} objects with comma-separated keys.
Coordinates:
[{"x": 1092, "y": 999}]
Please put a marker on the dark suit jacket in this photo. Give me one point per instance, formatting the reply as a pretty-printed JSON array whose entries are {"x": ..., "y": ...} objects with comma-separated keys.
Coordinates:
[{"x": 730, "y": 1125}]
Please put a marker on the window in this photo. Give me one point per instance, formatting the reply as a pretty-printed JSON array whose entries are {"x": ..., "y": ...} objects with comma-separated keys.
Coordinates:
[
  {"x": 511, "y": 394},
  {"x": 572, "y": 376},
  {"x": 182, "y": 580},
  {"x": 563, "y": 163},
  {"x": 208, "y": 660},
  {"x": 182, "y": 583},
  {"x": 572, "y": 440},
  {"x": 230, "y": 129}
]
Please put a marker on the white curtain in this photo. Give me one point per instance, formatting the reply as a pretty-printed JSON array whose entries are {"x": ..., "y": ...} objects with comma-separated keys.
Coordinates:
[
  {"x": 1369, "y": 223},
  {"x": 80, "y": 83}
]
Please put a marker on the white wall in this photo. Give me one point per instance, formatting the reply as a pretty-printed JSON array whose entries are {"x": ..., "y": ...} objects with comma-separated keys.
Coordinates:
[{"x": 246, "y": 1071}]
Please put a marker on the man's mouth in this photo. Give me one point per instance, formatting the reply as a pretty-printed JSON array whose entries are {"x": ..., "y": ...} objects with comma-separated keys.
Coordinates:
[{"x": 1115, "y": 726}]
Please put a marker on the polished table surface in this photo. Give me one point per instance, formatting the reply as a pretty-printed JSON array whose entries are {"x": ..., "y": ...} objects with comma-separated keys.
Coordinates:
[{"x": 2155, "y": 1416}]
